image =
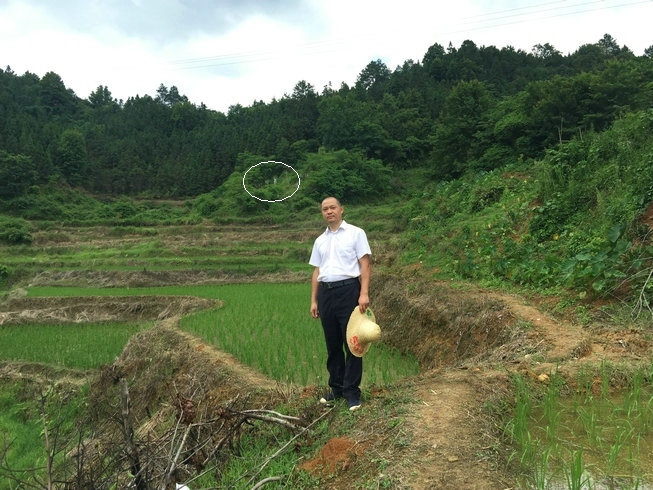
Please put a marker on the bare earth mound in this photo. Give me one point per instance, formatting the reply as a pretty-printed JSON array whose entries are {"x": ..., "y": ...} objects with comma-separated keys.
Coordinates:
[{"x": 93, "y": 309}]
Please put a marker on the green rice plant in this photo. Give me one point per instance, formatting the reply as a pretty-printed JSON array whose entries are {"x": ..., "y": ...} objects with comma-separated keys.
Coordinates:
[
  {"x": 606, "y": 374},
  {"x": 575, "y": 474},
  {"x": 605, "y": 434},
  {"x": 267, "y": 326},
  {"x": 518, "y": 427},
  {"x": 552, "y": 408},
  {"x": 633, "y": 395},
  {"x": 647, "y": 416},
  {"x": 79, "y": 346},
  {"x": 621, "y": 436},
  {"x": 541, "y": 474},
  {"x": 589, "y": 420}
]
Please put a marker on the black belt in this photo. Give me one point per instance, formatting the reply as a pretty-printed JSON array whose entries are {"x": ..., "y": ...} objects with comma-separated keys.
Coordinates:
[{"x": 338, "y": 284}]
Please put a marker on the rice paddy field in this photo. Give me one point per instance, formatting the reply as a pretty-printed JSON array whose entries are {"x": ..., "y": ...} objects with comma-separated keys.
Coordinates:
[
  {"x": 74, "y": 346},
  {"x": 265, "y": 325},
  {"x": 597, "y": 437}
]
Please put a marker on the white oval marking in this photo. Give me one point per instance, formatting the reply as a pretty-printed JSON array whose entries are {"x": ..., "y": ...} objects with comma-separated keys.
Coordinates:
[{"x": 299, "y": 181}]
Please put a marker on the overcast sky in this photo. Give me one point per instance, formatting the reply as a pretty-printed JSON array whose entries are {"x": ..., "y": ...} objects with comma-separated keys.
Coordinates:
[{"x": 224, "y": 52}]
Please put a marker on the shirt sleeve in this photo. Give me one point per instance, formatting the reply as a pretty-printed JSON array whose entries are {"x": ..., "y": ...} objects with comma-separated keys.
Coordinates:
[
  {"x": 362, "y": 245},
  {"x": 316, "y": 259}
]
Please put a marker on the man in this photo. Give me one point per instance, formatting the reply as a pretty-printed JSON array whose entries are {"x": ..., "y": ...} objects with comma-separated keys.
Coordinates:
[{"x": 341, "y": 278}]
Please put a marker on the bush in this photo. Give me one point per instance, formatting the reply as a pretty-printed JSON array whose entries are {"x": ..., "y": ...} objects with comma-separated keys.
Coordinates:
[
  {"x": 347, "y": 175},
  {"x": 14, "y": 231}
]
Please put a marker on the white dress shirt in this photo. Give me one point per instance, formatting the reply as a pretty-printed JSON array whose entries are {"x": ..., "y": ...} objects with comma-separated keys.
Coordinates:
[{"x": 336, "y": 253}]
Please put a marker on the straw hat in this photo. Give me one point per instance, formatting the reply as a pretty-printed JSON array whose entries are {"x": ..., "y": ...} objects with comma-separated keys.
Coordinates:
[{"x": 362, "y": 330}]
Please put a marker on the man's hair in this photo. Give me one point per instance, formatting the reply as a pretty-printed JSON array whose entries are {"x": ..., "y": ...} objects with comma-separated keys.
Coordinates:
[{"x": 331, "y": 197}]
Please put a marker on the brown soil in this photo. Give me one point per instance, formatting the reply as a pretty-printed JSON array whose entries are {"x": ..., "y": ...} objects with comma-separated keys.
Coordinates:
[{"x": 467, "y": 340}]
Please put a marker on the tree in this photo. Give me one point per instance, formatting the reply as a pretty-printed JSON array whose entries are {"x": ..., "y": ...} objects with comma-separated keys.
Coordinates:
[
  {"x": 337, "y": 121},
  {"x": 545, "y": 51},
  {"x": 588, "y": 57},
  {"x": 169, "y": 97},
  {"x": 373, "y": 79},
  {"x": 101, "y": 97},
  {"x": 72, "y": 158},
  {"x": 461, "y": 121},
  {"x": 17, "y": 174},
  {"x": 299, "y": 113},
  {"x": 55, "y": 97},
  {"x": 609, "y": 45},
  {"x": 348, "y": 175}
]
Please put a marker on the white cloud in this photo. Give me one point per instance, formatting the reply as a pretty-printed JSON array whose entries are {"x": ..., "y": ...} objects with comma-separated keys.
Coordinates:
[{"x": 227, "y": 52}]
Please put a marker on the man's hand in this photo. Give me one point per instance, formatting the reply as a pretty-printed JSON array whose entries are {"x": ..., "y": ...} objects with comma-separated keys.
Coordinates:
[
  {"x": 315, "y": 313},
  {"x": 363, "y": 302}
]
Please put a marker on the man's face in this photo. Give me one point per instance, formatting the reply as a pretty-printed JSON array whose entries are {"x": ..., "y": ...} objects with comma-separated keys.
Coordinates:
[{"x": 332, "y": 210}]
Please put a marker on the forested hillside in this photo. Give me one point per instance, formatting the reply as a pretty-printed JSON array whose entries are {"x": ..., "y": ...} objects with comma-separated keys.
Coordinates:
[{"x": 456, "y": 109}]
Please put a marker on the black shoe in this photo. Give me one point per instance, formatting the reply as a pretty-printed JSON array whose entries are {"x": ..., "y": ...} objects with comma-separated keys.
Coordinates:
[
  {"x": 329, "y": 398},
  {"x": 354, "y": 404}
]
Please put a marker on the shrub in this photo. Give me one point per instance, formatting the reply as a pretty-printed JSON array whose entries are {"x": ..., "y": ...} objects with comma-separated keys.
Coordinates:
[
  {"x": 14, "y": 231},
  {"x": 347, "y": 175}
]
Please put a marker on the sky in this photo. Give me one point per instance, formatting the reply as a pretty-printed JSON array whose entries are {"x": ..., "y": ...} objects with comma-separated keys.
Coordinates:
[{"x": 227, "y": 52}]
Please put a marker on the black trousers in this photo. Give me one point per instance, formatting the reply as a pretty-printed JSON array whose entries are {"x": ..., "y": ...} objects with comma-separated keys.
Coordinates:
[{"x": 345, "y": 369}]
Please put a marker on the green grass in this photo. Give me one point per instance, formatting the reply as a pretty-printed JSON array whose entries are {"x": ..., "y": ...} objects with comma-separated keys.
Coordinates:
[
  {"x": 79, "y": 346},
  {"x": 160, "y": 259},
  {"x": 266, "y": 326},
  {"x": 20, "y": 430},
  {"x": 239, "y": 250},
  {"x": 254, "y": 449},
  {"x": 24, "y": 409}
]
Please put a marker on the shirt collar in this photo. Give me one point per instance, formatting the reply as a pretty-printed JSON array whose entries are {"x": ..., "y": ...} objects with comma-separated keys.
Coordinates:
[{"x": 342, "y": 226}]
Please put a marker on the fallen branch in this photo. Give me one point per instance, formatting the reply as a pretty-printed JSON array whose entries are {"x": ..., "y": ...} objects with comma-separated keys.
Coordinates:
[
  {"x": 278, "y": 418},
  {"x": 283, "y": 448},
  {"x": 266, "y": 481},
  {"x": 642, "y": 300},
  {"x": 128, "y": 433},
  {"x": 173, "y": 461}
]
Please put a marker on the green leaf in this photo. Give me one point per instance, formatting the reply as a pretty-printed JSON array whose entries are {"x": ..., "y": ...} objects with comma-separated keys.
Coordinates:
[{"x": 615, "y": 233}]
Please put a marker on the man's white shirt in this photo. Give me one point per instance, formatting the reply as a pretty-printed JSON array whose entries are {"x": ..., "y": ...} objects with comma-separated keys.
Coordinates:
[{"x": 336, "y": 253}]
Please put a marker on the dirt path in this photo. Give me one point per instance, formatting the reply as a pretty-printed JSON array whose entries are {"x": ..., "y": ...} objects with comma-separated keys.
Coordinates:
[
  {"x": 450, "y": 448},
  {"x": 560, "y": 339}
]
